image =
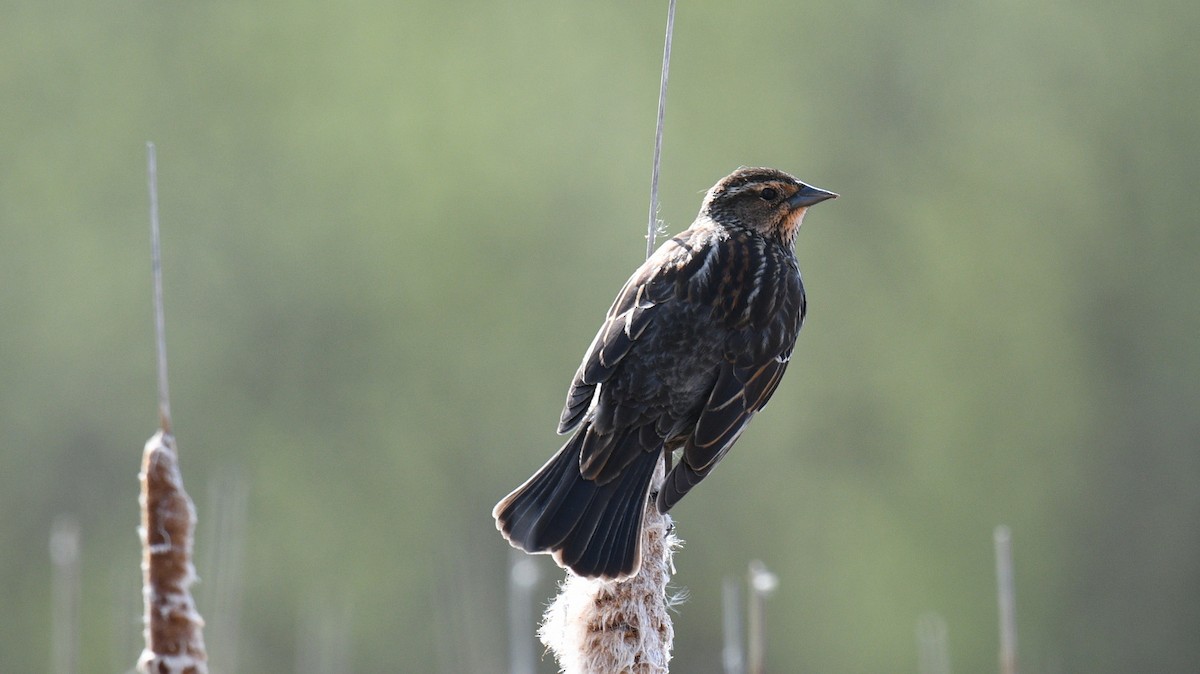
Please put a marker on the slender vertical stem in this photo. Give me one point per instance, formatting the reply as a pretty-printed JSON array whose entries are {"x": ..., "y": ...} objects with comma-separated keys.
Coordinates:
[
  {"x": 762, "y": 584},
  {"x": 933, "y": 649},
  {"x": 732, "y": 655},
  {"x": 522, "y": 577},
  {"x": 597, "y": 626},
  {"x": 66, "y": 590},
  {"x": 223, "y": 542},
  {"x": 1007, "y": 600},
  {"x": 174, "y": 640},
  {"x": 652, "y": 228},
  {"x": 323, "y": 637},
  {"x": 160, "y": 329}
]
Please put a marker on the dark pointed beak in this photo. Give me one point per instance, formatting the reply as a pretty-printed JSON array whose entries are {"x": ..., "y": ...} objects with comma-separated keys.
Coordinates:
[{"x": 809, "y": 195}]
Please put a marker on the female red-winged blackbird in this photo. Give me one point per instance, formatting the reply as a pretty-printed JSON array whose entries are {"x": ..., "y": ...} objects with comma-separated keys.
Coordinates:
[{"x": 692, "y": 348}]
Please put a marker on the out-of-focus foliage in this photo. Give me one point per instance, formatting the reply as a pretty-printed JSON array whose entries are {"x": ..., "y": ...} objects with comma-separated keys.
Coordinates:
[{"x": 391, "y": 228}]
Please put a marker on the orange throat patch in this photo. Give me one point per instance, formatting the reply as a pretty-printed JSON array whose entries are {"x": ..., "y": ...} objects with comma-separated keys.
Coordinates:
[{"x": 791, "y": 224}]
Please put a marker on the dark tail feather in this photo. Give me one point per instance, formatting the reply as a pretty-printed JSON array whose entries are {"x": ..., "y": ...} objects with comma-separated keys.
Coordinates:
[
  {"x": 592, "y": 529},
  {"x": 679, "y": 481}
]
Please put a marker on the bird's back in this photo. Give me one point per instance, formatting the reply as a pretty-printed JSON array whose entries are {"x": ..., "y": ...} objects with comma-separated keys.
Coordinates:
[{"x": 734, "y": 298}]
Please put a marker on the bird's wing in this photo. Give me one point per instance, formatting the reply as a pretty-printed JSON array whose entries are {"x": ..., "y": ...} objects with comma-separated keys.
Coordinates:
[
  {"x": 657, "y": 281},
  {"x": 755, "y": 360},
  {"x": 740, "y": 392}
]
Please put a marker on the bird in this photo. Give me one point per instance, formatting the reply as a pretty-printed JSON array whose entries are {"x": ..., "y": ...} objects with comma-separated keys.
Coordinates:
[{"x": 694, "y": 345}]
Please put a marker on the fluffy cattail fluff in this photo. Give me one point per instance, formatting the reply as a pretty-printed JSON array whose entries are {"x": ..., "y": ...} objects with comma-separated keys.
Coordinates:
[{"x": 597, "y": 626}]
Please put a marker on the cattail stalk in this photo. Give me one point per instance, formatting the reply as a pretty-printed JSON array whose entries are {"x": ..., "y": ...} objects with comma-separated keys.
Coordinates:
[
  {"x": 618, "y": 627},
  {"x": 173, "y": 632},
  {"x": 599, "y": 626},
  {"x": 174, "y": 641}
]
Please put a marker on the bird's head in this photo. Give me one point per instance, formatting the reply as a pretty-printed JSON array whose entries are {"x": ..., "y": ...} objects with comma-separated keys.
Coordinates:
[{"x": 765, "y": 200}]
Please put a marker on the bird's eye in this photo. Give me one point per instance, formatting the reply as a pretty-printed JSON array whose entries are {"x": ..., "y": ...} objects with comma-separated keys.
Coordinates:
[{"x": 768, "y": 194}]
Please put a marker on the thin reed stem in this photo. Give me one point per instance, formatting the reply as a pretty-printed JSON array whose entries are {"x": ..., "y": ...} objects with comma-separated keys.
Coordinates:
[
  {"x": 1006, "y": 595},
  {"x": 652, "y": 228}
]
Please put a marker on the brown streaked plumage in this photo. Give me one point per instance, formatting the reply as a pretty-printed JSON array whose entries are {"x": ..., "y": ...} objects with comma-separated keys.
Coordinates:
[{"x": 692, "y": 348}]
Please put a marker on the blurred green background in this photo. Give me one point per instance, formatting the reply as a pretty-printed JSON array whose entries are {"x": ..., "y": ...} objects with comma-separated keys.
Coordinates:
[{"x": 391, "y": 229}]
